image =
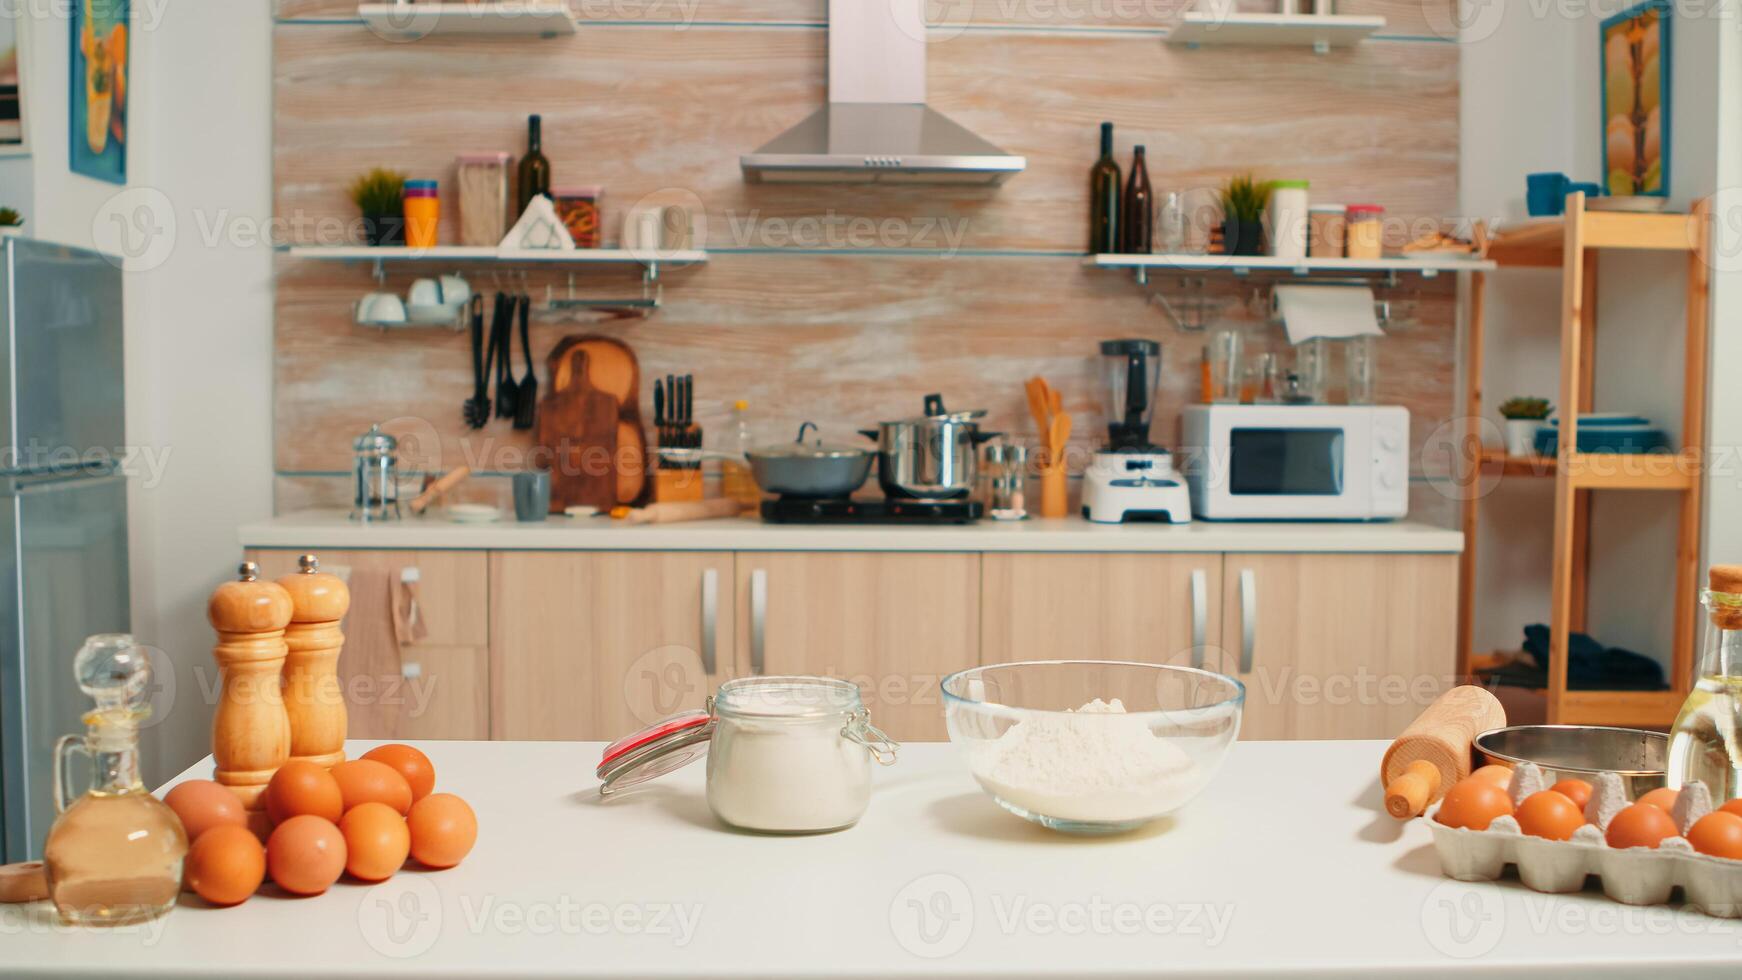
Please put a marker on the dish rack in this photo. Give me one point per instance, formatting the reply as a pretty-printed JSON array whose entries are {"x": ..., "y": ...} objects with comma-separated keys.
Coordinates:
[{"x": 1631, "y": 876}]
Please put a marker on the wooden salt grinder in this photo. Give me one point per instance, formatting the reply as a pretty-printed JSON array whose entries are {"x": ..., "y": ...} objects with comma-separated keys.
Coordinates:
[
  {"x": 313, "y": 698},
  {"x": 250, "y": 732}
]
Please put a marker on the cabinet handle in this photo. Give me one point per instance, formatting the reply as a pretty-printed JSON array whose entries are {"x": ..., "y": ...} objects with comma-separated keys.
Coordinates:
[
  {"x": 758, "y": 619},
  {"x": 710, "y": 617},
  {"x": 1248, "y": 618},
  {"x": 1200, "y": 614}
]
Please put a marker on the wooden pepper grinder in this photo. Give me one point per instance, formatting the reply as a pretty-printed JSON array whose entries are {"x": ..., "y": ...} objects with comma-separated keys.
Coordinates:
[
  {"x": 313, "y": 697},
  {"x": 250, "y": 732}
]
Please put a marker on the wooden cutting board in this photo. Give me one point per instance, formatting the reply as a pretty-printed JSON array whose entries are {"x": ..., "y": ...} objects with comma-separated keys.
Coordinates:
[{"x": 577, "y": 429}]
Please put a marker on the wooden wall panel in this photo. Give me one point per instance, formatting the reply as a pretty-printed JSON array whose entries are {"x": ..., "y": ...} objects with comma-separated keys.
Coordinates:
[{"x": 845, "y": 340}]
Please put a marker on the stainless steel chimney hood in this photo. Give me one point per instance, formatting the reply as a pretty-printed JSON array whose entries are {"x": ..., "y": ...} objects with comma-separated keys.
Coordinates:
[{"x": 877, "y": 127}]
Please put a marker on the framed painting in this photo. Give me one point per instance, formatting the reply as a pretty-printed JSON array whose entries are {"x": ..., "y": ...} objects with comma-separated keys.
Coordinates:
[
  {"x": 1636, "y": 63},
  {"x": 97, "y": 103},
  {"x": 13, "y": 140}
]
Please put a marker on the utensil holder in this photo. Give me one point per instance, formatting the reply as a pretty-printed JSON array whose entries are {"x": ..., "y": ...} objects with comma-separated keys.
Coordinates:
[
  {"x": 675, "y": 485},
  {"x": 1054, "y": 492}
]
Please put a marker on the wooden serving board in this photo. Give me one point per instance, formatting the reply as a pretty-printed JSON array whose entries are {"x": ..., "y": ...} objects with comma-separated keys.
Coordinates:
[{"x": 590, "y": 424}]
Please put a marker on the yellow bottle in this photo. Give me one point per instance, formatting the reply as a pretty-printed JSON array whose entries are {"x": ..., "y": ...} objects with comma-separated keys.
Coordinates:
[
  {"x": 1704, "y": 741},
  {"x": 736, "y": 479}
]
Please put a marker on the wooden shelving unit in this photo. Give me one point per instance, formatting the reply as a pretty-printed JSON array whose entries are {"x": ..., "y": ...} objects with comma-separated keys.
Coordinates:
[{"x": 1571, "y": 243}]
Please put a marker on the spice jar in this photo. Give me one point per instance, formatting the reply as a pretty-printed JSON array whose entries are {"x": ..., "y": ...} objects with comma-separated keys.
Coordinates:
[
  {"x": 578, "y": 207},
  {"x": 423, "y": 213},
  {"x": 1366, "y": 231},
  {"x": 1325, "y": 231},
  {"x": 483, "y": 183},
  {"x": 786, "y": 755}
]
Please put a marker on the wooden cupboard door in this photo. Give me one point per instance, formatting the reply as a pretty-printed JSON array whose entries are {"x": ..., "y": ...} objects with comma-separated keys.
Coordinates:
[
  {"x": 1141, "y": 607},
  {"x": 594, "y": 645},
  {"x": 1338, "y": 645},
  {"x": 894, "y": 623},
  {"x": 436, "y": 687}
]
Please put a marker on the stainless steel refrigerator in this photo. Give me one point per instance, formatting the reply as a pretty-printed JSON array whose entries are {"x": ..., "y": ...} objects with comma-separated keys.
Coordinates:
[{"x": 63, "y": 509}]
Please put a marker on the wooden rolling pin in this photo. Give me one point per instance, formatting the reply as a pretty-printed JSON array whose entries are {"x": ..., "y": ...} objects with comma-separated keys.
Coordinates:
[
  {"x": 1433, "y": 753},
  {"x": 434, "y": 491},
  {"x": 26, "y": 882},
  {"x": 698, "y": 510}
]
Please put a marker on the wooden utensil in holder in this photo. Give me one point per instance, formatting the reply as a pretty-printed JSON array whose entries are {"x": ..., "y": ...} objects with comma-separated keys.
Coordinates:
[
  {"x": 250, "y": 731},
  {"x": 1439, "y": 739},
  {"x": 314, "y": 701}
]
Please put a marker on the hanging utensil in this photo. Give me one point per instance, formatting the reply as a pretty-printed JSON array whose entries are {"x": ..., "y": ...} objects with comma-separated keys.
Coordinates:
[
  {"x": 477, "y": 410},
  {"x": 526, "y": 398},
  {"x": 506, "y": 388}
]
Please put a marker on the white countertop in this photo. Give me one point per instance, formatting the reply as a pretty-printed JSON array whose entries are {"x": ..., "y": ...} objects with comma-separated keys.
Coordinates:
[
  {"x": 332, "y": 529},
  {"x": 1286, "y": 866}
]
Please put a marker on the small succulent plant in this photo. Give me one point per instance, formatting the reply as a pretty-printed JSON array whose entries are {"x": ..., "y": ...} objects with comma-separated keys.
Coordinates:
[
  {"x": 1244, "y": 199},
  {"x": 1525, "y": 408},
  {"x": 379, "y": 192}
]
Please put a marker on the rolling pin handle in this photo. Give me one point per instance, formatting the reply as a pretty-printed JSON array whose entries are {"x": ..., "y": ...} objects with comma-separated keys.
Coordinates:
[{"x": 1409, "y": 794}]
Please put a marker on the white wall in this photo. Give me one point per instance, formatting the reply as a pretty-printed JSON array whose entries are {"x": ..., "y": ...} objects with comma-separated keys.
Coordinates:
[
  {"x": 1530, "y": 76},
  {"x": 198, "y": 307},
  {"x": 1723, "y": 542}
]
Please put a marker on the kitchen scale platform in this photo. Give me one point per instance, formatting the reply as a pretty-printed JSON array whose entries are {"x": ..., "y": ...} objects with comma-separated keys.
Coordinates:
[{"x": 890, "y": 510}]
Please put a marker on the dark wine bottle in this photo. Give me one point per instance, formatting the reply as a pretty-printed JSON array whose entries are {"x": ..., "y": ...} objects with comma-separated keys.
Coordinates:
[
  {"x": 534, "y": 168},
  {"x": 1138, "y": 226},
  {"x": 1104, "y": 197}
]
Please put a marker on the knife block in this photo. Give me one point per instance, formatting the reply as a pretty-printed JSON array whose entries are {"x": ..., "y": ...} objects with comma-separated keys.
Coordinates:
[
  {"x": 250, "y": 730},
  {"x": 314, "y": 700}
]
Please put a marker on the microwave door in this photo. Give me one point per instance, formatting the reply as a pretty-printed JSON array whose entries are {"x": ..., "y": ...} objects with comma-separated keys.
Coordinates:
[{"x": 1286, "y": 462}]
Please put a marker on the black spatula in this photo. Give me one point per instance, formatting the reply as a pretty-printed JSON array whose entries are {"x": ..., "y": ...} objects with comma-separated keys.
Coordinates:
[{"x": 526, "y": 398}]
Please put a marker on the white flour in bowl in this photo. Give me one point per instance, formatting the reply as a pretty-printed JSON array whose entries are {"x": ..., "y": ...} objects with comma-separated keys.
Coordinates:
[{"x": 1090, "y": 765}]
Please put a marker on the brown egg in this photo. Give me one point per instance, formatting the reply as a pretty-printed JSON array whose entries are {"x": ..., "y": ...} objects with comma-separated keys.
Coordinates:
[
  {"x": 1576, "y": 790},
  {"x": 410, "y": 763},
  {"x": 305, "y": 854},
  {"x": 1733, "y": 806},
  {"x": 225, "y": 865},
  {"x": 443, "y": 830},
  {"x": 376, "y": 841},
  {"x": 1719, "y": 834},
  {"x": 302, "y": 787},
  {"x": 1663, "y": 798},
  {"x": 1549, "y": 815},
  {"x": 369, "y": 781},
  {"x": 1474, "y": 803},
  {"x": 1640, "y": 825},
  {"x": 1500, "y": 776},
  {"x": 202, "y": 804}
]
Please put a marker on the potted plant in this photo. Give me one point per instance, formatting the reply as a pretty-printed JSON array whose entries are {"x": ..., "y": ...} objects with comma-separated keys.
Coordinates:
[
  {"x": 10, "y": 221},
  {"x": 1523, "y": 418},
  {"x": 380, "y": 195},
  {"x": 1244, "y": 201}
]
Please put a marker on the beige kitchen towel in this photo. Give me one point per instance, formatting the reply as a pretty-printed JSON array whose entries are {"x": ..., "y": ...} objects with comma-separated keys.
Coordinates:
[
  {"x": 369, "y": 667},
  {"x": 1335, "y": 312},
  {"x": 409, "y": 627}
]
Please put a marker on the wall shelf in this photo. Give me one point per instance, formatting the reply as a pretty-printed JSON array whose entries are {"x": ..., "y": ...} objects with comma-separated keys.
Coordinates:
[
  {"x": 449, "y": 255},
  {"x": 1425, "y": 265},
  {"x": 1196, "y": 28},
  {"x": 411, "y": 21}
]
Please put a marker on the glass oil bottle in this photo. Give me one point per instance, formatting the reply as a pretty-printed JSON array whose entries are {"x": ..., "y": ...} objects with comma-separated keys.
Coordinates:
[
  {"x": 114, "y": 854},
  {"x": 1704, "y": 742}
]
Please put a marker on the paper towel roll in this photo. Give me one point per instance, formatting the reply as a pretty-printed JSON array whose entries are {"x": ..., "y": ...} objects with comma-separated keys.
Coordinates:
[{"x": 1336, "y": 312}]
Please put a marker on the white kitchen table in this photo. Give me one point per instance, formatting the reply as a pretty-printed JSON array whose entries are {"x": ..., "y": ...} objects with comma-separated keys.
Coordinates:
[{"x": 1284, "y": 867}]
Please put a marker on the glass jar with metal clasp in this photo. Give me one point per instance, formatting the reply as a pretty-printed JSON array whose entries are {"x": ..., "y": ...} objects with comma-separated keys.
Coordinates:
[{"x": 786, "y": 755}]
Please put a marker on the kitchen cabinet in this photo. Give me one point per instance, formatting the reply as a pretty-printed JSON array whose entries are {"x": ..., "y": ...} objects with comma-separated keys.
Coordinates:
[
  {"x": 1155, "y": 608},
  {"x": 437, "y": 687},
  {"x": 1337, "y": 645},
  {"x": 594, "y": 645},
  {"x": 895, "y": 623}
]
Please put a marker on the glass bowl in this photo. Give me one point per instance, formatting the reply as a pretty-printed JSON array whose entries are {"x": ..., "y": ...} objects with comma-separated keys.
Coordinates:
[{"x": 1092, "y": 746}]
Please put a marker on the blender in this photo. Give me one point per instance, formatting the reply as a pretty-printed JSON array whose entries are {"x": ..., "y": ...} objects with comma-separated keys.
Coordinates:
[{"x": 1133, "y": 479}]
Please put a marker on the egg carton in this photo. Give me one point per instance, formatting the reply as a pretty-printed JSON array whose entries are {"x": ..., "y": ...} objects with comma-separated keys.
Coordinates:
[{"x": 1631, "y": 876}]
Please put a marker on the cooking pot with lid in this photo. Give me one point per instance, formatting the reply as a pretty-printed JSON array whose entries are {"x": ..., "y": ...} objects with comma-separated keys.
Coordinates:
[
  {"x": 932, "y": 456},
  {"x": 809, "y": 469}
]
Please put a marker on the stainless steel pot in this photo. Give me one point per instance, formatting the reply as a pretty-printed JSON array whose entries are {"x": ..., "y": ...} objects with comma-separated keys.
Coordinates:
[
  {"x": 930, "y": 457},
  {"x": 810, "y": 469}
]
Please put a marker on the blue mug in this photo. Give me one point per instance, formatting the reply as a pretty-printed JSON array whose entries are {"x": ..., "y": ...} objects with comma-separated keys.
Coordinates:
[
  {"x": 1589, "y": 190},
  {"x": 1545, "y": 195}
]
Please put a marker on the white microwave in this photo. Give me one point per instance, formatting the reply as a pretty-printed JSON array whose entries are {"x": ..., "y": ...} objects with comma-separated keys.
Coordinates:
[{"x": 1296, "y": 462}]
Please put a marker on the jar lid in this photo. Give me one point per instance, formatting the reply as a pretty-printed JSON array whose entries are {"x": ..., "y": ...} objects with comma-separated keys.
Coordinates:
[
  {"x": 1293, "y": 185},
  {"x": 1327, "y": 208},
  {"x": 593, "y": 191},
  {"x": 420, "y": 185},
  {"x": 1366, "y": 209},
  {"x": 664, "y": 746}
]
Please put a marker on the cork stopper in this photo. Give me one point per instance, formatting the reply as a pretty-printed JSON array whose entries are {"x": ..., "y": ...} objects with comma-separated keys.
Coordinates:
[
  {"x": 316, "y": 596},
  {"x": 249, "y": 605},
  {"x": 1726, "y": 582}
]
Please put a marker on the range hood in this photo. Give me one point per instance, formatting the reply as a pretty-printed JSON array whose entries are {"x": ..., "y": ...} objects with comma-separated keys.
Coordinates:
[{"x": 877, "y": 127}]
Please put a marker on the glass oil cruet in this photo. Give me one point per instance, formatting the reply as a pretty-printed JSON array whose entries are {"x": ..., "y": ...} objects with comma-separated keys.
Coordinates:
[
  {"x": 1703, "y": 743},
  {"x": 114, "y": 854}
]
